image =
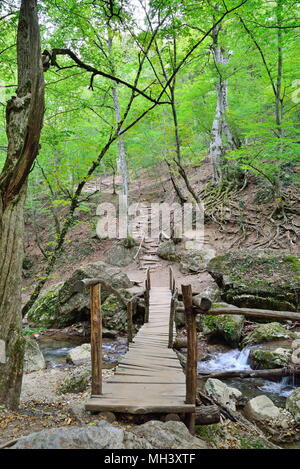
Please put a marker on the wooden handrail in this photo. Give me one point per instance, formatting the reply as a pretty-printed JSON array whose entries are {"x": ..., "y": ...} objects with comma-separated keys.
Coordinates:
[
  {"x": 191, "y": 362},
  {"x": 94, "y": 285},
  {"x": 204, "y": 308}
]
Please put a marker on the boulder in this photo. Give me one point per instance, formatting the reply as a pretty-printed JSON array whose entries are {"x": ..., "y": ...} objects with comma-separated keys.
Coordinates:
[
  {"x": 75, "y": 381},
  {"x": 225, "y": 327},
  {"x": 295, "y": 359},
  {"x": 266, "y": 333},
  {"x": 262, "y": 359},
  {"x": 79, "y": 355},
  {"x": 33, "y": 358},
  {"x": 261, "y": 278},
  {"x": 262, "y": 410},
  {"x": 191, "y": 260},
  {"x": 104, "y": 435},
  {"x": 211, "y": 292},
  {"x": 168, "y": 251},
  {"x": 121, "y": 254},
  {"x": 222, "y": 394},
  {"x": 60, "y": 306},
  {"x": 114, "y": 314},
  {"x": 293, "y": 405}
]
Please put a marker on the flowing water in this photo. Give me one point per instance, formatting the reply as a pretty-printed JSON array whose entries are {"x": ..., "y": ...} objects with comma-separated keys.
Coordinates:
[
  {"x": 236, "y": 359},
  {"x": 56, "y": 351}
]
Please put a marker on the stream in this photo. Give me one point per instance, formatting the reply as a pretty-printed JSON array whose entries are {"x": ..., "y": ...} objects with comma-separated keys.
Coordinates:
[
  {"x": 56, "y": 351},
  {"x": 236, "y": 359}
]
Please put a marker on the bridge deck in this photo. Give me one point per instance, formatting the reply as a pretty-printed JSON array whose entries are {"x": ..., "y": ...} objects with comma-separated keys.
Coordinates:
[{"x": 149, "y": 378}]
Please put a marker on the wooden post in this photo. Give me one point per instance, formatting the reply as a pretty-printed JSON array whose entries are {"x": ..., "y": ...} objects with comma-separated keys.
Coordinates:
[
  {"x": 129, "y": 321},
  {"x": 170, "y": 278},
  {"x": 191, "y": 363},
  {"x": 148, "y": 279},
  {"x": 146, "y": 296},
  {"x": 171, "y": 320},
  {"x": 96, "y": 339}
]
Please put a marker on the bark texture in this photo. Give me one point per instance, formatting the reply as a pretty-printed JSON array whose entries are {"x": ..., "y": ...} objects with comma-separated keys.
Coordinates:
[
  {"x": 24, "y": 118},
  {"x": 221, "y": 136}
]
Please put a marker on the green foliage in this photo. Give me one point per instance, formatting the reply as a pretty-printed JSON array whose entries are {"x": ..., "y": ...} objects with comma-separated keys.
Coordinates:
[{"x": 29, "y": 331}]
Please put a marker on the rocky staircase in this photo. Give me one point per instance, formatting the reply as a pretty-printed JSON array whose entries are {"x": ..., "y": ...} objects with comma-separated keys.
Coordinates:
[{"x": 147, "y": 256}]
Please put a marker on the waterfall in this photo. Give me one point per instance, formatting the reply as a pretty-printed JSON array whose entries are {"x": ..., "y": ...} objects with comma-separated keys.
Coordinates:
[{"x": 233, "y": 360}]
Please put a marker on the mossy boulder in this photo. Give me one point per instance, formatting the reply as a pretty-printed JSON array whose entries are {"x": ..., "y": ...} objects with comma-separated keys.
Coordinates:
[
  {"x": 45, "y": 311},
  {"x": 75, "y": 381},
  {"x": 60, "y": 306},
  {"x": 260, "y": 278},
  {"x": 261, "y": 359},
  {"x": 114, "y": 314},
  {"x": 266, "y": 333},
  {"x": 122, "y": 253},
  {"x": 231, "y": 436},
  {"x": 168, "y": 251},
  {"x": 293, "y": 405},
  {"x": 225, "y": 327}
]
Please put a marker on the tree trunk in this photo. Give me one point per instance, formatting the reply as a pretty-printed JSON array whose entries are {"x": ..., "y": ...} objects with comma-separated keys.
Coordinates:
[
  {"x": 11, "y": 256},
  {"x": 24, "y": 117},
  {"x": 221, "y": 136},
  {"x": 122, "y": 160}
]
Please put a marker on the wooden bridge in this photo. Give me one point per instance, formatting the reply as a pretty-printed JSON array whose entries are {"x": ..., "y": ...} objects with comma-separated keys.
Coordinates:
[{"x": 149, "y": 377}]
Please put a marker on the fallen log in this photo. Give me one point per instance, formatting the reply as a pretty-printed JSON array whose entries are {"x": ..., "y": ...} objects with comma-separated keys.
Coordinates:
[
  {"x": 262, "y": 313},
  {"x": 273, "y": 373},
  {"x": 179, "y": 343},
  {"x": 207, "y": 415}
]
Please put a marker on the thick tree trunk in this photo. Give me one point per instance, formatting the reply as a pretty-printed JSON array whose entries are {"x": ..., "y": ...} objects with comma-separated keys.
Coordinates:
[
  {"x": 24, "y": 117},
  {"x": 11, "y": 256}
]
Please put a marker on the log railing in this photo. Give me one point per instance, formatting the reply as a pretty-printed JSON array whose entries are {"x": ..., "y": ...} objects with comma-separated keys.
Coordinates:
[
  {"x": 147, "y": 294},
  {"x": 173, "y": 304},
  {"x": 94, "y": 285},
  {"x": 204, "y": 308}
]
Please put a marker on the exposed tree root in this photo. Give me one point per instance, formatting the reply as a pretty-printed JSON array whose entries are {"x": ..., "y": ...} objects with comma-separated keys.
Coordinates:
[{"x": 225, "y": 207}]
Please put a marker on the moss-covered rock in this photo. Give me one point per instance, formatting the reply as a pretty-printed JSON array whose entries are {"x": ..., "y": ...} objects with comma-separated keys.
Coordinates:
[
  {"x": 61, "y": 306},
  {"x": 122, "y": 253},
  {"x": 293, "y": 405},
  {"x": 227, "y": 328},
  {"x": 266, "y": 333},
  {"x": 261, "y": 359},
  {"x": 45, "y": 312},
  {"x": 168, "y": 251},
  {"x": 75, "y": 381},
  {"x": 114, "y": 314},
  {"x": 258, "y": 279},
  {"x": 231, "y": 436}
]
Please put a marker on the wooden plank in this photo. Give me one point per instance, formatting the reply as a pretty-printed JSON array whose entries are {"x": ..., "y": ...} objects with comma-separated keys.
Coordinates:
[
  {"x": 149, "y": 377},
  {"x": 133, "y": 407}
]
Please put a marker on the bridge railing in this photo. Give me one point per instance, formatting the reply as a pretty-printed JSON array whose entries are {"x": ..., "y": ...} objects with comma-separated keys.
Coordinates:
[
  {"x": 173, "y": 305},
  {"x": 205, "y": 308},
  {"x": 94, "y": 285}
]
